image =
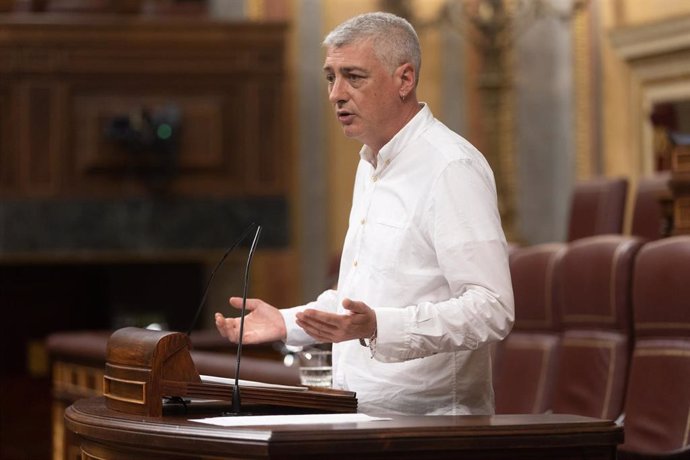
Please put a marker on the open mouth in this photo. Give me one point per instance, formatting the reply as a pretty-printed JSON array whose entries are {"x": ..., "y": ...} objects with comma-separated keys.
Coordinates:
[{"x": 344, "y": 117}]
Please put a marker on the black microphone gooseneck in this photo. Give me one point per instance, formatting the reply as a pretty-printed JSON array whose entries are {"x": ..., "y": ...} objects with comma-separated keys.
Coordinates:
[
  {"x": 236, "y": 404},
  {"x": 208, "y": 284}
]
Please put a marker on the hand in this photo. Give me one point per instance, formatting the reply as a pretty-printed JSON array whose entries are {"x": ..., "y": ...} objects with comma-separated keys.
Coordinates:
[
  {"x": 262, "y": 322},
  {"x": 359, "y": 322}
]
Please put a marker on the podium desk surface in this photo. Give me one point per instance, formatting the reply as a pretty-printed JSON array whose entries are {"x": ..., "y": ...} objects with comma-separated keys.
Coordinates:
[{"x": 106, "y": 434}]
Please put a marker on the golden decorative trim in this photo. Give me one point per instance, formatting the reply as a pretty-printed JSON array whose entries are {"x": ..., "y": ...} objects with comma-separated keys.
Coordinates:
[
  {"x": 625, "y": 246},
  {"x": 549, "y": 287},
  {"x": 686, "y": 438},
  {"x": 663, "y": 325},
  {"x": 662, "y": 352},
  {"x": 107, "y": 393},
  {"x": 600, "y": 318},
  {"x": 87, "y": 456},
  {"x": 541, "y": 382}
]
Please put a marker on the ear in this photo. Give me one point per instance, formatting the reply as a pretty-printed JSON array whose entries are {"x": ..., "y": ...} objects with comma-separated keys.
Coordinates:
[{"x": 407, "y": 78}]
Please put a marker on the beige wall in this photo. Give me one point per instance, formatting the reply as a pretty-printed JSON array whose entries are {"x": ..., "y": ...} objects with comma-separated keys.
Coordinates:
[
  {"x": 617, "y": 146},
  {"x": 636, "y": 12}
]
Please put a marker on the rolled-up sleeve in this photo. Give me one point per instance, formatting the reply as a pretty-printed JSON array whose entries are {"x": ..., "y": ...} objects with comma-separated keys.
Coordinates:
[{"x": 462, "y": 223}]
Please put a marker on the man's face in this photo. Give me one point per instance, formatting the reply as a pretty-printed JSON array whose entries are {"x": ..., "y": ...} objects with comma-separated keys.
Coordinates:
[{"x": 364, "y": 94}]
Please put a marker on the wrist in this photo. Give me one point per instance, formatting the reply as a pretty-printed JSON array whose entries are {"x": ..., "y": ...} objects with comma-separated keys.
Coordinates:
[{"x": 370, "y": 342}]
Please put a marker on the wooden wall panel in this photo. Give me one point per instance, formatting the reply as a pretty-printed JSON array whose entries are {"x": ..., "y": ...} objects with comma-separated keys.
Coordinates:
[
  {"x": 7, "y": 167},
  {"x": 201, "y": 146},
  {"x": 39, "y": 137},
  {"x": 74, "y": 75}
]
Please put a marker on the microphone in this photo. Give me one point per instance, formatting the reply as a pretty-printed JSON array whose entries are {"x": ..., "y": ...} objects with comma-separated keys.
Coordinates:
[
  {"x": 236, "y": 404},
  {"x": 218, "y": 265}
]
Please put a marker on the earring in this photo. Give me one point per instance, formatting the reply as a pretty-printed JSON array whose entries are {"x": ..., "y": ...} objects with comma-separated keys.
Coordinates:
[{"x": 402, "y": 97}]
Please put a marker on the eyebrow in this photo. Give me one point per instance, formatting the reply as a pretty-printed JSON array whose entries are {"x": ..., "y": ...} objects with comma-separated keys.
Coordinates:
[{"x": 349, "y": 69}]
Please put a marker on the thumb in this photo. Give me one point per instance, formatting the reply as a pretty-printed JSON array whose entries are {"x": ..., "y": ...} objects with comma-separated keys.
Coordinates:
[
  {"x": 355, "y": 306},
  {"x": 236, "y": 302}
]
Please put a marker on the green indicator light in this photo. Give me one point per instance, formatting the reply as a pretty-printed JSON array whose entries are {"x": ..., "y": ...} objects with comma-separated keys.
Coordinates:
[{"x": 164, "y": 131}]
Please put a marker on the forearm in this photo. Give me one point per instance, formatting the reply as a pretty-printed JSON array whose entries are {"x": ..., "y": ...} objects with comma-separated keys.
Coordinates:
[{"x": 475, "y": 318}]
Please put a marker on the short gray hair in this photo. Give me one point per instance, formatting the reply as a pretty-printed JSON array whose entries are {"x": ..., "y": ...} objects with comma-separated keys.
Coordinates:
[{"x": 394, "y": 39}]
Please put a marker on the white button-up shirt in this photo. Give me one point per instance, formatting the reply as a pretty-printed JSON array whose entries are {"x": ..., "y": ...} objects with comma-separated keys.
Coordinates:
[{"x": 424, "y": 249}]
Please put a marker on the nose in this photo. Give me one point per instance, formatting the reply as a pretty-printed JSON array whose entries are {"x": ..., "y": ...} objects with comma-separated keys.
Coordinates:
[{"x": 336, "y": 91}]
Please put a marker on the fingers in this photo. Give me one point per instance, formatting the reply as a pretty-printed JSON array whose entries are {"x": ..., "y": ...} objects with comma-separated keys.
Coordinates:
[
  {"x": 317, "y": 322},
  {"x": 236, "y": 302},
  {"x": 326, "y": 327},
  {"x": 318, "y": 319},
  {"x": 221, "y": 325},
  {"x": 358, "y": 322},
  {"x": 355, "y": 306},
  {"x": 227, "y": 327}
]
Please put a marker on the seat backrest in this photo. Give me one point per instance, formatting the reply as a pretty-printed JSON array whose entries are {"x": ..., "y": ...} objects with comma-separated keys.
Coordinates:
[
  {"x": 594, "y": 286},
  {"x": 657, "y": 403},
  {"x": 525, "y": 360},
  {"x": 648, "y": 219},
  {"x": 597, "y": 207}
]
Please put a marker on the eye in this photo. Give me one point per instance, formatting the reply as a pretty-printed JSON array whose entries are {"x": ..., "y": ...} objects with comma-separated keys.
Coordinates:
[{"x": 330, "y": 78}]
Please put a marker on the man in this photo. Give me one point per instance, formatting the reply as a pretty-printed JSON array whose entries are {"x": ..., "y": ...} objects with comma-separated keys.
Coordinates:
[{"x": 424, "y": 281}]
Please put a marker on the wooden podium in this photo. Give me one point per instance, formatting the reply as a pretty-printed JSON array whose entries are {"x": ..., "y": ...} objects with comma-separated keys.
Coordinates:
[
  {"x": 144, "y": 368},
  {"x": 105, "y": 434}
]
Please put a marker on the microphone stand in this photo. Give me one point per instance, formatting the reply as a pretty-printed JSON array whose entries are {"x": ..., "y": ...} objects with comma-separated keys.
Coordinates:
[
  {"x": 236, "y": 404},
  {"x": 220, "y": 262}
]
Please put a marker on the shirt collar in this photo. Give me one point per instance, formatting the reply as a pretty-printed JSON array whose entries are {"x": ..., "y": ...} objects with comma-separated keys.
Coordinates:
[{"x": 402, "y": 138}]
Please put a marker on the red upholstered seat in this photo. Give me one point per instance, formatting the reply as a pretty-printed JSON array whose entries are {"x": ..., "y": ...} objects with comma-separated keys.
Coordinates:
[
  {"x": 657, "y": 403},
  {"x": 251, "y": 368},
  {"x": 594, "y": 285},
  {"x": 525, "y": 361},
  {"x": 597, "y": 207}
]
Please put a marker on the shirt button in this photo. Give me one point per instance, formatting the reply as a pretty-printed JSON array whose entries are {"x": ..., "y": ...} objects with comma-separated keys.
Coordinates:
[
  {"x": 354, "y": 263},
  {"x": 362, "y": 221},
  {"x": 388, "y": 162},
  {"x": 374, "y": 178}
]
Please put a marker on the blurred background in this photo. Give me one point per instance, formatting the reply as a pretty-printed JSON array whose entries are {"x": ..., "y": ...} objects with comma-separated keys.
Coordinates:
[{"x": 139, "y": 138}]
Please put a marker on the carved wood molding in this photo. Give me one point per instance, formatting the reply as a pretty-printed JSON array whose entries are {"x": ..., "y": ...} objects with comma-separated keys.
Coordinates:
[
  {"x": 652, "y": 40},
  {"x": 658, "y": 57},
  {"x": 63, "y": 78},
  {"x": 124, "y": 45}
]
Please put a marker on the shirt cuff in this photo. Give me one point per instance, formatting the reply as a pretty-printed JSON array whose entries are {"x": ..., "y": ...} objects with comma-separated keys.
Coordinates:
[
  {"x": 295, "y": 335},
  {"x": 392, "y": 335}
]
